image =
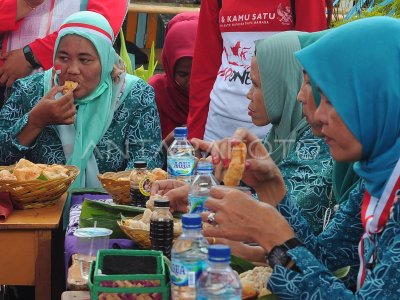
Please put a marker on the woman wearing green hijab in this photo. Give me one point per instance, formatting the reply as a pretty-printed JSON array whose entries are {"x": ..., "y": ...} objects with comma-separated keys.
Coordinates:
[
  {"x": 107, "y": 122},
  {"x": 302, "y": 158},
  {"x": 344, "y": 179}
]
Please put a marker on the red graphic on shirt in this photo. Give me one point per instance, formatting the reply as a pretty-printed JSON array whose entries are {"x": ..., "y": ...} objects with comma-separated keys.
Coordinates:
[
  {"x": 285, "y": 12},
  {"x": 238, "y": 60},
  {"x": 237, "y": 55}
]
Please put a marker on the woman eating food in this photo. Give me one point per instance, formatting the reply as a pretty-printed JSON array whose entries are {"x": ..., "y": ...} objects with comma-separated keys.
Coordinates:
[
  {"x": 85, "y": 112},
  {"x": 303, "y": 264}
]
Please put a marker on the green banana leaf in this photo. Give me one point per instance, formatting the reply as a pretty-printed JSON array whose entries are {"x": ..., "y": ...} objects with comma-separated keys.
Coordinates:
[
  {"x": 124, "y": 54},
  {"x": 241, "y": 265},
  {"x": 144, "y": 74}
]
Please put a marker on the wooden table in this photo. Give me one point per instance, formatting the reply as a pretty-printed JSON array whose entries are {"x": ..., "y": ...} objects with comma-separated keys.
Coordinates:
[{"x": 25, "y": 248}]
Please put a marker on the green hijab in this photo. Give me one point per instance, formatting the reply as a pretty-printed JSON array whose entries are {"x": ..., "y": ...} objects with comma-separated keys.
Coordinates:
[
  {"x": 344, "y": 179},
  {"x": 281, "y": 78},
  {"x": 96, "y": 110}
]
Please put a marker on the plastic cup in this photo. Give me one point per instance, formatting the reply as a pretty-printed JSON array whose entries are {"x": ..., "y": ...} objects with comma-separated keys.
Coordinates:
[{"x": 89, "y": 241}]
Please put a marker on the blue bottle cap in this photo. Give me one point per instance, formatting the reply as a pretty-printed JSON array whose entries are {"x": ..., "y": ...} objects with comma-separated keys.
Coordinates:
[
  {"x": 219, "y": 253},
  {"x": 191, "y": 221},
  {"x": 204, "y": 167},
  {"x": 180, "y": 132}
]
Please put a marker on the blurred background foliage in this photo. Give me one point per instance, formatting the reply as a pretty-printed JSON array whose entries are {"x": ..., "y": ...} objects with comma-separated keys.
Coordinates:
[{"x": 345, "y": 11}]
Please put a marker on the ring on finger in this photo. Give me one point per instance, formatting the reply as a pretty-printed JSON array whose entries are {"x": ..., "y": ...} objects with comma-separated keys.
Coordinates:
[{"x": 211, "y": 219}]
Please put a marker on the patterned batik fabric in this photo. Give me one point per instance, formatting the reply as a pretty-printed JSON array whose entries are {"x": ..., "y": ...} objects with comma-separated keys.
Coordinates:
[
  {"x": 335, "y": 248},
  {"x": 134, "y": 132},
  {"x": 307, "y": 172}
]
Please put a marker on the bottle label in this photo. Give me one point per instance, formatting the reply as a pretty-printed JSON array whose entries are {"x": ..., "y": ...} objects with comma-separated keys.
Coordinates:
[
  {"x": 186, "y": 274},
  {"x": 180, "y": 166},
  {"x": 145, "y": 186},
  {"x": 197, "y": 204}
]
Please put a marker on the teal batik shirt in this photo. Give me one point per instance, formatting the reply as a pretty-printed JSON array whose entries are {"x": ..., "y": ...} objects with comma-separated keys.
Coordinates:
[
  {"x": 335, "y": 248},
  {"x": 307, "y": 172},
  {"x": 134, "y": 132}
]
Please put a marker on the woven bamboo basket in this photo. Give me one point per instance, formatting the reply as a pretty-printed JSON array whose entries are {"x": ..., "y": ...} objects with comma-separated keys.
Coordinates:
[
  {"x": 117, "y": 188},
  {"x": 37, "y": 193},
  {"x": 140, "y": 236}
]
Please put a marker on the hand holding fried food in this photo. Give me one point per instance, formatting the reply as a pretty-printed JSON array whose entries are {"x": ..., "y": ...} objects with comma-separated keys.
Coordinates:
[
  {"x": 69, "y": 86},
  {"x": 234, "y": 173}
]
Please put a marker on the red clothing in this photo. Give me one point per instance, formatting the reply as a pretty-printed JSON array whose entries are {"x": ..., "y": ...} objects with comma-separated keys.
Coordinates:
[
  {"x": 213, "y": 23},
  {"x": 172, "y": 100},
  {"x": 113, "y": 10},
  {"x": 8, "y": 15}
]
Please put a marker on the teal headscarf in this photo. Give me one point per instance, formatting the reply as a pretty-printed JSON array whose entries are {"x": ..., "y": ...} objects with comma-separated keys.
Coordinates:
[
  {"x": 281, "y": 78},
  {"x": 361, "y": 78},
  {"x": 344, "y": 179},
  {"x": 96, "y": 110}
]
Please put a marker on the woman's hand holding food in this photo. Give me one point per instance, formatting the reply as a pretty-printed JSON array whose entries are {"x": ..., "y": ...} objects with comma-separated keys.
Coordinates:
[
  {"x": 261, "y": 173},
  {"x": 238, "y": 217},
  {"x": 177, "y": 191},
  {"x": 48, "y": 111}
]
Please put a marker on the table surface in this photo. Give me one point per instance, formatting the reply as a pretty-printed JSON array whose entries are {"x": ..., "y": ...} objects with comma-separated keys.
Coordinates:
[{"x": 39, "y": 218}]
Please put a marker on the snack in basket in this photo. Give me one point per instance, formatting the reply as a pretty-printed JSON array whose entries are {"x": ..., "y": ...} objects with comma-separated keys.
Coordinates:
[
  {"x": 6, "y": 175},
  {"x": 69, "y": 86},
  {"x": 144, "y": 222},
  {"x": 55, "y": 172},
  {"x": 26, "y": 170},
  {"x": 255, "y": 282},
  {"x": 234, "y": 173}
]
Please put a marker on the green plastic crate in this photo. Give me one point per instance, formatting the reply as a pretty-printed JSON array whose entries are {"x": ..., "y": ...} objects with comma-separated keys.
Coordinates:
[{"x": 96, "y": 280}]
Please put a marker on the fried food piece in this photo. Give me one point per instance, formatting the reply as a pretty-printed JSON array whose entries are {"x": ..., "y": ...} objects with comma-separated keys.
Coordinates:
[
  {"x": 257, "y": 278},
  {"x": 7, "y": 175},
  {"x": 55, "y": 172},
  {"x": 24, "y": 163},
  {"x": 234, "y": 173},
  {"x": 69, "y": 86},
  {"x": 248, "y": 289},
  {"x": 159, "y": 173},
  {"x": 27, "y": 173}
]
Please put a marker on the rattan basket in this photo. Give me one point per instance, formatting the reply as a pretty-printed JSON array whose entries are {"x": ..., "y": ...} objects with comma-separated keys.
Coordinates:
[
  {"x": 118, "y": 189},
  {"x": 37, "y": 193},
  {"x": 141, "y": 237}
]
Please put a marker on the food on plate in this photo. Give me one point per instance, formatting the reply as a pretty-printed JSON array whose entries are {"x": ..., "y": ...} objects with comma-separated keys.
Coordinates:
[
  {"x": 69, "y": 86},
  {"x": 6, "y": 175},
  {"x": 157, "y": 174},
  {"x": 255, "y": 281},
  {"x": 234, "y": 173}
]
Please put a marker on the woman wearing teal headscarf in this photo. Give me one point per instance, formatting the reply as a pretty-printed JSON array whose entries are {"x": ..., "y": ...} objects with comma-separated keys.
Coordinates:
[
  {"x": 106, "y": 123},
  {"x": 302, "y": 158},
  {"x": 344, "y": 179}
]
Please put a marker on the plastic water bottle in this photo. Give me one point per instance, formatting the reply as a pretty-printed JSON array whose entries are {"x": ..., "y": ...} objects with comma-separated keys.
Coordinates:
[
  {"x": 180, "y": 158},
  {"x": 189, "y": 258},
  {"x": 200, "y": 188},
  {"x": 219, "y": 281}
]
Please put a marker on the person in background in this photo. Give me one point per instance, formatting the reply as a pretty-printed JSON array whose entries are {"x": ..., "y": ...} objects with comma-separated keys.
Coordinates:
[
  {"x": 13, "y": 11},
  {"x": 30, "y": 46},
  {"x": 104, "y": 124},
  {"x": 223, "y": 51},
  {"x": 172, "y": 87}
]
